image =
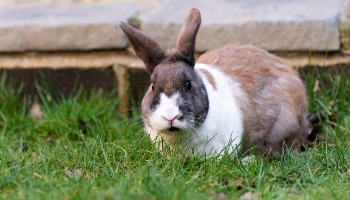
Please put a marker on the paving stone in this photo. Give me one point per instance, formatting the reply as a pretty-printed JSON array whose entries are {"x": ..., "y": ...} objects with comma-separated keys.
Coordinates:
[
  {"x": 346, "y": 8},
  {"x": 278, "y": 25},
  {"x": 345, "y": 28},
  {"x": 45, "y": 27}
]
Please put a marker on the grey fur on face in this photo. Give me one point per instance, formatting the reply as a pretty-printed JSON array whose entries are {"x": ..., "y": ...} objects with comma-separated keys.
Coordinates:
[{"x": 172, "y": 78}]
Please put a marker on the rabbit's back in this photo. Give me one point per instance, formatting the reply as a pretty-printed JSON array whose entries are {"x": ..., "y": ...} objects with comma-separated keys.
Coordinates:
[
  {"x": 247, "y": 64},
  {"x": 274, "y": 101}
]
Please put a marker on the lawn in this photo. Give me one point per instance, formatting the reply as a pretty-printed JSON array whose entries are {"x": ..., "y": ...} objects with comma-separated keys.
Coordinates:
[{"x": 78, "y": 148}]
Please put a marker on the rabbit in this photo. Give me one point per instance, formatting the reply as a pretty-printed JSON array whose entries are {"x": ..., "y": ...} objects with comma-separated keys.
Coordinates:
[{"x": 232, "y": 99}]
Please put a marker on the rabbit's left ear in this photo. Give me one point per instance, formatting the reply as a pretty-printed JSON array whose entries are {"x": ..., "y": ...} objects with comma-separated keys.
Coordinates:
[
  {"x": 145, "y": 48},
  {"x": 185, "y": 43}
]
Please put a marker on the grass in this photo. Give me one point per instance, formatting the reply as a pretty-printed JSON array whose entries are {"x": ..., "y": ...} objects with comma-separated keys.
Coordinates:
[{"x": 80, "y": 149}]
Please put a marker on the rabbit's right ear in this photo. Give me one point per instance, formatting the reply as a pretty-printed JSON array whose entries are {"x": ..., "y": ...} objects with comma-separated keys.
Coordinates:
[{"x": 145, "y": 48}]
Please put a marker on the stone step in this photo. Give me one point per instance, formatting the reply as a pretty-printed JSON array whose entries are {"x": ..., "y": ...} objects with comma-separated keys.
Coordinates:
[
  {"x": 45, "y": 27},
  {"x": 105, "y": 59},
  {"x": 278, "y": 25},
  {"x": 275, "y": 25}
]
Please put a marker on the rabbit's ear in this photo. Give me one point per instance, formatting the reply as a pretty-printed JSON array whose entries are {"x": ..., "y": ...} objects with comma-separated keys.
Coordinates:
[
  {"x": 185, "y": 43},
  {"x": 145, "y": 48}
]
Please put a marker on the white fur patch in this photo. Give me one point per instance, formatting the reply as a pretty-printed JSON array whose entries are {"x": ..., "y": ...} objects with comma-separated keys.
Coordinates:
[
  {"x": 167, "y": 113},
  {"x": 223, "y": 125}
]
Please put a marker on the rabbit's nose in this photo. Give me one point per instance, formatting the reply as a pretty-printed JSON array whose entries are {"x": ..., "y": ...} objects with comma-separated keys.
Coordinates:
[{"x": 171, "y": 119}]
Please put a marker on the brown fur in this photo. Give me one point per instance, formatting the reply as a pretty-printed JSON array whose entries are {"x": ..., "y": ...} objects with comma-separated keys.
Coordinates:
[
  {"x": 140, "y": 42},
  {"x": 271, "y": 109},
  {"x": 210, "y": 78},
  {"x": 185, "y": 43}
]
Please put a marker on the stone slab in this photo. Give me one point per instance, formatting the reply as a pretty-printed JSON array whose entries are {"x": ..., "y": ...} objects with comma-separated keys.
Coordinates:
[
  {"x": 105, "y": 59},
  {"x": 80, "y": 59},
  {"x": 345, "y": 28},
  {"x": 346, "y": 9},
  {"x": 278, "y": 25},
  {"x": 44, "y": 27}
]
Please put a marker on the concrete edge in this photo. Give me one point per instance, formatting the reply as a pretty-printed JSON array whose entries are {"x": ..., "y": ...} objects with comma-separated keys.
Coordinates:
[{"x": 102, "y": 59}]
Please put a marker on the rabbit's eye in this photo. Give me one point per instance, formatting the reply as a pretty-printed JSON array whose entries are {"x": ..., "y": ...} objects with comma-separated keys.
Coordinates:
[
  {"x": 152, "y": 86},
  {"x": 188, "y": 86}
]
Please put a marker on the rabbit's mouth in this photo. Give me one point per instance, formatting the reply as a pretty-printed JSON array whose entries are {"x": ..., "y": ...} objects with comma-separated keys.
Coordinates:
[{"x": 173, "y": 129}]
